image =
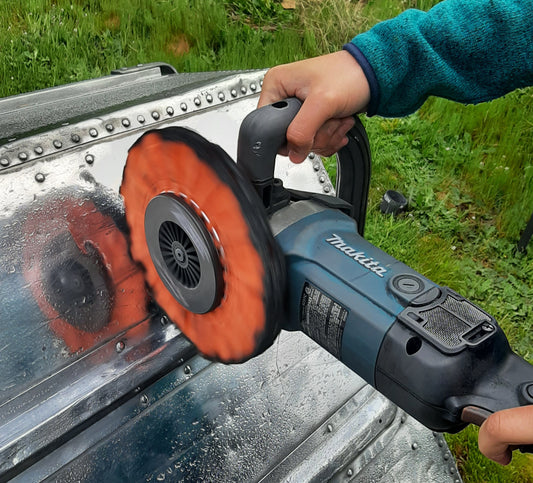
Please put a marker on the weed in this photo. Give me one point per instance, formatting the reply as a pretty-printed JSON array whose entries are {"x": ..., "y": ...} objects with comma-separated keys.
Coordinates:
[{"x": 332, "y": 22}]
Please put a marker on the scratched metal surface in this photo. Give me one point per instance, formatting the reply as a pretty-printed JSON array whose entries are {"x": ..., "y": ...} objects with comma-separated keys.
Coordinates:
[{"x": 97, "y": 385}]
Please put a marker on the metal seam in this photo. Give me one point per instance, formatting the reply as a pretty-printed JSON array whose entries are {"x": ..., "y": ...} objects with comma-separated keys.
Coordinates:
[{"x": 148, "y": 116}]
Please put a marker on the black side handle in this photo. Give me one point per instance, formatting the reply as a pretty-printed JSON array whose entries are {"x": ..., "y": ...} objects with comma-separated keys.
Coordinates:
[
  {"x": 262, "y": 133},
  {"x": 353, "y": 173}
]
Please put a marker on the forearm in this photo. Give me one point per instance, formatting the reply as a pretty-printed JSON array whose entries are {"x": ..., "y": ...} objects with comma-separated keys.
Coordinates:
[{"x": 465, "y": 50}]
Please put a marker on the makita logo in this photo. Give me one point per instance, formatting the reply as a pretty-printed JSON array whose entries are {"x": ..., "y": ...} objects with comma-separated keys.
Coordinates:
[{"x": 360, "y": 257}]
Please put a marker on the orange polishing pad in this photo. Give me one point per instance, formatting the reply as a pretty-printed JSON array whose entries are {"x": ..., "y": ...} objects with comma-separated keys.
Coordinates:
[{"x": 199, "y": 229}]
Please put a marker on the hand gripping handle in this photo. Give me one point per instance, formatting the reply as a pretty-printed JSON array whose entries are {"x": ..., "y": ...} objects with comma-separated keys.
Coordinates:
[{"x": 263, "y": 132}]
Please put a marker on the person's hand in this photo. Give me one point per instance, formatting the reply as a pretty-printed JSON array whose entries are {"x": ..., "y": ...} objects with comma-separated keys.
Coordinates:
[
  {"x": 332, "y": 87},
  {"x": 504, "y": 431}
]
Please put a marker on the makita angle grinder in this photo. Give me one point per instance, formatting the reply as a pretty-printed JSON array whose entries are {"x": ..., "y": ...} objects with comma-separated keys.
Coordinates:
[{"x": 233, "y": 257}]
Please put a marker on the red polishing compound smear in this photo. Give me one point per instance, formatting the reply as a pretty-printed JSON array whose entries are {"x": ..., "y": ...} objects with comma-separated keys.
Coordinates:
[{"x": 168, "y": 162}]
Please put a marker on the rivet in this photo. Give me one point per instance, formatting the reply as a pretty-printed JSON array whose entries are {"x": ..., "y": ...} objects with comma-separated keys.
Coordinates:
[
  {"x": 330, "y": 428},
  {"x": 155, "y": 115},
  {"x": 164, "y": 320},
  {"x": 322, "y": 179},
  {"x": 39, "y": 177},
  {"x": 311, "y": 156},
  {"x": 316, "y": 167},
  {"x": 38, "y": 150},
  {"x": 349, "y": 472},
  {"x": 183, "y": 106},
  {"x": 261, "y": 82},
  {"x": 440, "y": 443},
  {"x": 141, "y": 119},
  {"x": 57, "y": 144},
  {"x": 233, "y": 93},
  {"x": 446, "y": 456},
  {"x": 209, "y": 98},
  {"x": 23, "y": 156},
  {"x": 414, "y": 446},
  {"x": 89, "y": 159},
  {"x": 253, "y": 86},
  {"x": 221, "y": 96},
  {"x": 109, "y": 127},
  {"x": 327, "y": 189},
  {"x": 170, "y": 110},
  {"x": 144, "y": 399},
  {"x": 187, "y": 369},
  {"x": 452, "y": 470},
  {"x": 126, "y": 122},
  {"x": 120, "y": 346},
  {"x": 197, "y": 101},
  {"x": 402, "y": 419},
  {"x": 75, "y": 138},
  {"x": 93, "y": 132},
  {"x": 4, "y": 162},
  {"x": 243, "y": 89}
]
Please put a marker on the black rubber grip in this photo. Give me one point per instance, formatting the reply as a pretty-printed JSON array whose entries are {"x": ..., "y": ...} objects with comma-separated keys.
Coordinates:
[{"x": 263, "y": 132}]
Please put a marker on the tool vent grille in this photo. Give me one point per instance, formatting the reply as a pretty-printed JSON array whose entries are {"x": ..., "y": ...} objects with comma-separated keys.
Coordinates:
[
  {"x": 448, "y": 322},
  {"x": 465, "y": 310},
  {"x": 444, "y": 326}
]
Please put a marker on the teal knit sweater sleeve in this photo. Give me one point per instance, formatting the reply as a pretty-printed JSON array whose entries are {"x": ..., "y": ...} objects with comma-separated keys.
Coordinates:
[{"x": 469, "y": 51}]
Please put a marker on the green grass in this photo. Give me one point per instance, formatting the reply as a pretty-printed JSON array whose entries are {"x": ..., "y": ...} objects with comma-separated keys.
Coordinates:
[
  {"x": 47, "y": 44},
  {"x": 466, "y": 170}
]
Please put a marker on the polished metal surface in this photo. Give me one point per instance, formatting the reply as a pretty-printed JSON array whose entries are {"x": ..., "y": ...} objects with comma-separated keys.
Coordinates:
[{"x": 97, "y": 385}]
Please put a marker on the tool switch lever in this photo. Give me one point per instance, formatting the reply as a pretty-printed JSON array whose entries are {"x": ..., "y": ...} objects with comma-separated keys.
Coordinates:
[{"x": 477, "y": 416}]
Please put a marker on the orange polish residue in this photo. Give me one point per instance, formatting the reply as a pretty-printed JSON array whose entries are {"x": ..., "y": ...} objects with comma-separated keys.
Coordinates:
[{"x": 154, "y": 166}]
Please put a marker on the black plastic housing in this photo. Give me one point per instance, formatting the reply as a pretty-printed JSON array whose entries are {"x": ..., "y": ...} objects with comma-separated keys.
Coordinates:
[{"x": 434, "y": 382}]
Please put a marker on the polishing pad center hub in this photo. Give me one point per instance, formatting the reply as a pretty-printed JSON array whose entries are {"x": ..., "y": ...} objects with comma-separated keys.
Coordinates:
[
  {"x": 180, "y": 255},
  {"x": 183, "y": 253}
]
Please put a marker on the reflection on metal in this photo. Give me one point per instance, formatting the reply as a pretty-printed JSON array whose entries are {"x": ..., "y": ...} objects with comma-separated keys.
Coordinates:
[
  {"x": 96, "y": 384},
  {"x": 76, "y": 263}
]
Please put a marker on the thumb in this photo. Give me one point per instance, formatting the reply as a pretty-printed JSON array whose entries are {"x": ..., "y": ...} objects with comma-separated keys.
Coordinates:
[{"x": 503, "y": 430}]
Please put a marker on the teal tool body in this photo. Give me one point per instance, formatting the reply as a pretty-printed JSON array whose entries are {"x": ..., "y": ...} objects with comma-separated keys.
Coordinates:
[{"x": 434, "y": 353}]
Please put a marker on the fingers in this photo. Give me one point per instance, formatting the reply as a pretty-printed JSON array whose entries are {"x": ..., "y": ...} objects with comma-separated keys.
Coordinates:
[
  {"x": 504, "y": 430},
  {"x": 314, "y": 115},
  {"x": 331, "y": 137},
  {"x": 273, "y": 86},
  {"x": 332, "y": 87}
]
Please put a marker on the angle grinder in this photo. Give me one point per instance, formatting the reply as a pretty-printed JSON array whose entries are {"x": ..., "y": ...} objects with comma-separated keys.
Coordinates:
[{"x": 233, "y": 257}]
